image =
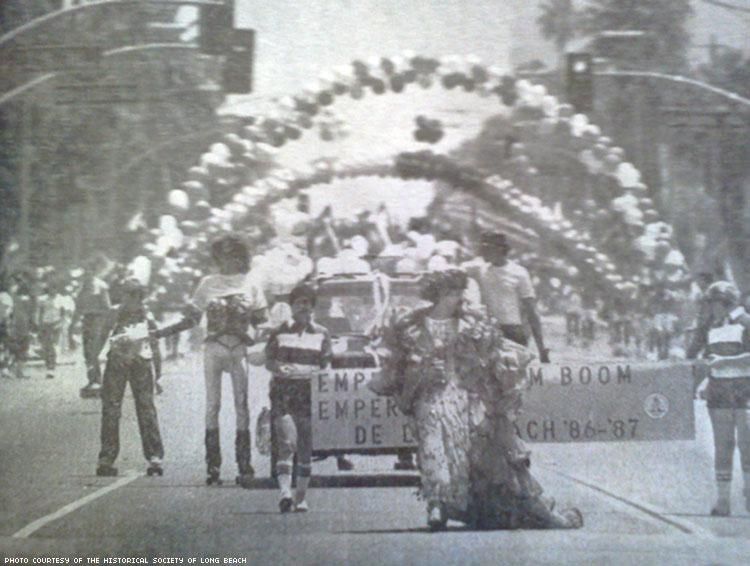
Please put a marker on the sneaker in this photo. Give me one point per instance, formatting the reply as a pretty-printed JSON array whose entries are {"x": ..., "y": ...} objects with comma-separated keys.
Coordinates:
[
  {"x": 721, "y": 509},
  {"x": 286, "y": 504},
  {"x": 344, "y": 464},
  {"x": 436, "y": 518},
  {"x": 50, "y": 375},
  {"x": 405, "y": 465},
  {"x": 301, "y": 507}
]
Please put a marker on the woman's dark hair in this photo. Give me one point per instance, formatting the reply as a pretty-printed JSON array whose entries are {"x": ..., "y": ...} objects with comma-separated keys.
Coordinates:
[
  {"x": 435, "y": 283},
  {"x": 231, "y": 248}
]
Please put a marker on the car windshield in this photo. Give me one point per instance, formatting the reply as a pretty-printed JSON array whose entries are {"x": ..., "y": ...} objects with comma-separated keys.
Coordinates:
[{"x": 346, "y": 307}]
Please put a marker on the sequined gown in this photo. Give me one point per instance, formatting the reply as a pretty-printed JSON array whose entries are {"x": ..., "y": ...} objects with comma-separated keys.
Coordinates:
[{"x": 462, "y": 384}]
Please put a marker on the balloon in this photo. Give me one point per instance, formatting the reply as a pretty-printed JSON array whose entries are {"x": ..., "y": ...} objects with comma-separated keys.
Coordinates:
[
  {"x": 356, "y": 92},
  {"x": 140, "y": 268},
  {"x": 424, "y": 81},
  {"x": 198, "y": 173},
  {"x": 178, "y": 199},
  {"x": 627, "y": 175},
  {"x": 221, "y": 150},
  {"x": 167, "y": 223}
]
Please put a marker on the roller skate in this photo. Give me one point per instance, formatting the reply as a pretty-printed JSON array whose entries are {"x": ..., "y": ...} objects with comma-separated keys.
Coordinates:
[
  {"x": 344, "y": 464},
  {"x": 213, "y": 457},
  {"x": 437, "y": 517},
  {"x": 106, "y": 470},
  {"x": 91, "y": 391},
  {"x": 213, "y": 477},
  {"x": 154, "y": 468},
  {"x": 245, "y": 478},
  {"x": 242, "y": 452}
]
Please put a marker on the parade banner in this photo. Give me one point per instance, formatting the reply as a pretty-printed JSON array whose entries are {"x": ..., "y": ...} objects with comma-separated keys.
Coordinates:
[
  {"x": 591, "y": 402},
  {"x": 608, "y": 401},
  {"x": 346, "y": 415}
]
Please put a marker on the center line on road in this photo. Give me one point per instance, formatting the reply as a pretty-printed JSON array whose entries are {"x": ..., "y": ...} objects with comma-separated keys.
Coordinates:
[
  {"x": 34, "y": 526},
  {"x": 649, "y": 511}
]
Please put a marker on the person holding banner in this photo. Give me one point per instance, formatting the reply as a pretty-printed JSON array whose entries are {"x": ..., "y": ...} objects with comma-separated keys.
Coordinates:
[
  {"x": 507, "y": 293},
  {"x": 454, "y": 373},
  {"x": 295, "y": 351},
  {"x": 726, "y": 344}
]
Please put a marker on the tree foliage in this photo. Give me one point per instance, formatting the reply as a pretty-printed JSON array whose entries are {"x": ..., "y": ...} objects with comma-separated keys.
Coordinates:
[
  {"x": 558, "y": 22},
  {"x": 666, "y": 20},
  {"x": 728, "y": 69}
]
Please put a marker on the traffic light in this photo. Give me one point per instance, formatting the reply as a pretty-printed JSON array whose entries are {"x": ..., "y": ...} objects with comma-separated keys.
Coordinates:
[
  {"x": 237, "y": 75},
  {"x": 216, "y": 23},
  {"x": 580, "y": 81}
]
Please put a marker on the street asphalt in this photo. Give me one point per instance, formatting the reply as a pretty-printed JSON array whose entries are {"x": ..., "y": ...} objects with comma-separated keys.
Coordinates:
[{"x": 643, "y": 502}]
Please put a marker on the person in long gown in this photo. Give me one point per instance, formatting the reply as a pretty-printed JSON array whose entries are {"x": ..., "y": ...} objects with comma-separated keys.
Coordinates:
[{"x": 451, "y": 370}]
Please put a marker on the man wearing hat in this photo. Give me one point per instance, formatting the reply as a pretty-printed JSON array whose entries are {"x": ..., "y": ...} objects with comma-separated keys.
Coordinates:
[{"x": 507, "y": 292}]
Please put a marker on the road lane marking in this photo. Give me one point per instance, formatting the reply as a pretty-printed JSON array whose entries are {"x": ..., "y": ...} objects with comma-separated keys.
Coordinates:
[
  {"x": 34, "y": 526},
  {"x": 651, "y": 511}
]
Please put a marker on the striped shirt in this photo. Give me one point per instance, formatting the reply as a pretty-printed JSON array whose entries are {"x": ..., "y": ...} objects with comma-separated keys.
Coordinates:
[{"x": 297, "y": 351}]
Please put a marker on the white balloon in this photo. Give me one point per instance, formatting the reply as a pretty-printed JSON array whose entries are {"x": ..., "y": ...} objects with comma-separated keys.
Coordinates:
[
  {"x": 179, "y": 199},
  {"x": 167, "y": 223},
  {"x": 627, "y": 175},
  {"x": 140, "y": 268}
]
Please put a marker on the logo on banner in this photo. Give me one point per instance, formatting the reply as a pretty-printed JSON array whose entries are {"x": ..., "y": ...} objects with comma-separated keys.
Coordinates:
[{"x": 656, "y": 405}]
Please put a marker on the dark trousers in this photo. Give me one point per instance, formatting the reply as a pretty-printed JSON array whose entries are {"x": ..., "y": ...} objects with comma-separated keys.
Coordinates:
[
  {"x": 516, "y": 333},
  {"x": 117, "y": 374},
  {"x": 94, "y": 328},
  {"x": 49, "y": 335}
]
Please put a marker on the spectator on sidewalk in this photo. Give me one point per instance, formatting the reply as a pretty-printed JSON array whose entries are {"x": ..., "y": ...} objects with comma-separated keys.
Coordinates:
[
  {"x": 49, "y": 320},
  {"x": 6, "y": 312},
  {"x": 92, "y": 307},
  {"x": 21, "y": 326}
]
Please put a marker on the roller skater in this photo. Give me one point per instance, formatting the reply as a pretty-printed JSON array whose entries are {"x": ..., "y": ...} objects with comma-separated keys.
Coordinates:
[
  {"x": 234, "y": 304},
  {"x": 724, "y": 336},
  {"x": 133, "y": 358}
]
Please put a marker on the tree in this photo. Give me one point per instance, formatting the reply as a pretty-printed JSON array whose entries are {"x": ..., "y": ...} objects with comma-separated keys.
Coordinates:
[
  {"x": 666, "y": 20},
  {"x": 728, "y": 69},
  {"x": 558, "y": 23}
]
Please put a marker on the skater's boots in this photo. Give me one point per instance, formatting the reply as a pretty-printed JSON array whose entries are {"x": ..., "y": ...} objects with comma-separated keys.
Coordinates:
[
  {"x": 723, "y": 506},
  {"x": 242, "y": 453},
  {"x": 106, "y": 470},
  {"x": 213, "y": 455}
]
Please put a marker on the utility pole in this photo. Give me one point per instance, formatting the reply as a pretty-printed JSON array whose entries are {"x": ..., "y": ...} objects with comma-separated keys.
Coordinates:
[{"x": 24, "y": 184}]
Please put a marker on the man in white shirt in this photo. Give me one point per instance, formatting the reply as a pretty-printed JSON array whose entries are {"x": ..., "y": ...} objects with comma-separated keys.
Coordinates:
[{"x": 507, "y": 292}]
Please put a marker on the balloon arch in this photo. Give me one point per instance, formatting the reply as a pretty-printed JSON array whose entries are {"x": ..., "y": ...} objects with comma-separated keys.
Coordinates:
[{"x": 617, "y": 198}]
